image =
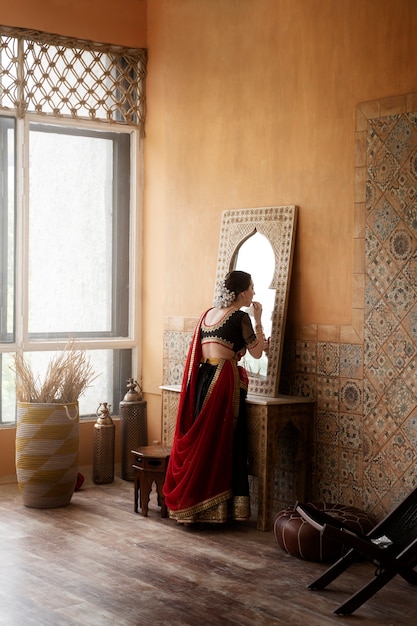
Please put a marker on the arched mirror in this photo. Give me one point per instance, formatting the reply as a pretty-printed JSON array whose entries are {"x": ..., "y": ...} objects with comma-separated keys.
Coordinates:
[
  {"x": 257, "y": 254},
  {"x": 261, "y": 241}
]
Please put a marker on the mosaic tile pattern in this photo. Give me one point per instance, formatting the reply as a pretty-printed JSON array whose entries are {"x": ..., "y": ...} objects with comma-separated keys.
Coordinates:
[
  {"x": 327, "y": 427},
  {"x": 351, "y": 361},
  {"x": 350, "y": 434},
  {"x": 350, "y": 396},
  {"x": 177, "y": 338},
  {"x": 366, "y": 411},
  {"x": 328, "y": 359},
  {"x": 389, "y": 420}
]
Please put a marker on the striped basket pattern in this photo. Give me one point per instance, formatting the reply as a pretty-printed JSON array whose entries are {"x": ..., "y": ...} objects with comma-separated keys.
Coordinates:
[{"x": 47, "y": 441}]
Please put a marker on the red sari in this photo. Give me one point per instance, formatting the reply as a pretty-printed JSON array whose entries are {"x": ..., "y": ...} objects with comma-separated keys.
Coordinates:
[{"x": 201, "y": 479}]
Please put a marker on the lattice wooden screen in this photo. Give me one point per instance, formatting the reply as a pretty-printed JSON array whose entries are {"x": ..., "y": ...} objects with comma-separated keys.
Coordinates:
[{"x": 62, "y": 77}]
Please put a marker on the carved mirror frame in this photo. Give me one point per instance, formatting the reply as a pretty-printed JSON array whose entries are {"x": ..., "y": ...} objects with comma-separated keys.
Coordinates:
[{"x": 278, "y": 225}]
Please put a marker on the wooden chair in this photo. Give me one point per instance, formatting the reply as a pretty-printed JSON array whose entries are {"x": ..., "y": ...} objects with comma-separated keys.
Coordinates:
[{"x": 391, "y": 546}]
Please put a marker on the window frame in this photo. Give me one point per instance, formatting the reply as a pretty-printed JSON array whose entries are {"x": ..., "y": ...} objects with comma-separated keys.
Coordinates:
[
  {"x": 121, "y": 208},
  {"x": 89, "y": 341},
  {"x": 4, "y": 225}
]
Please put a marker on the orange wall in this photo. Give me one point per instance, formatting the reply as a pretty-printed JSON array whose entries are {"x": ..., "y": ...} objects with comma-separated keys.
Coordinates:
[
  {"x": 253, "y": 104},
  {"x": 97, "y": 20}
]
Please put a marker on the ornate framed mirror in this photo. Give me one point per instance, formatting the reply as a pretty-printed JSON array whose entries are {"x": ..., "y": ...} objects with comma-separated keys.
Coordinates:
[{"x": 261, "y": 241}]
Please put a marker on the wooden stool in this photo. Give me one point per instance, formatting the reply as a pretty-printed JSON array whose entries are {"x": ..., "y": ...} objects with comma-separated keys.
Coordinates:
[{"x": 150, "y": 466}]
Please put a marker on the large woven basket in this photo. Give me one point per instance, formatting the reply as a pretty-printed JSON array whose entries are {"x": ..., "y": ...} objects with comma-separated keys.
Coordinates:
[{"x": 47, "y": 441}]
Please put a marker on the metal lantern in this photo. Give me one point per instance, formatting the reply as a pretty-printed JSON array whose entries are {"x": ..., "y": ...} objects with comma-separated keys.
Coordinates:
[
  {"x": 103, "y": 462},
  {"x": 133, "y": 426}
]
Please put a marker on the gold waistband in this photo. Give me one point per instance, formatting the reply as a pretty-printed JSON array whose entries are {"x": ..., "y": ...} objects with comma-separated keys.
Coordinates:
[{"x": 212, "y": 361}]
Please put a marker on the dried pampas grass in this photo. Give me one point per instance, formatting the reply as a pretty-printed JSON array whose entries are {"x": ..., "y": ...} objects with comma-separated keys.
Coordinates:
[{"x": 68, "y": 375}]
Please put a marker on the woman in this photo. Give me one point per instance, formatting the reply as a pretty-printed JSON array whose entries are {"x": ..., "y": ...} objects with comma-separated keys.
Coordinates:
[{"x": 207, "y": 478}]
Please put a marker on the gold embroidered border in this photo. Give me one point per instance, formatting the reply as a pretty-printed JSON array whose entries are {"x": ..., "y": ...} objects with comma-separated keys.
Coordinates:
[{"x": 193, "y": 511}]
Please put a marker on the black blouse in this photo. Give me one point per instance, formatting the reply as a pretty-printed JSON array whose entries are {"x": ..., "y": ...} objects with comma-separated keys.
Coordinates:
[{"x": 234, "y": 331}]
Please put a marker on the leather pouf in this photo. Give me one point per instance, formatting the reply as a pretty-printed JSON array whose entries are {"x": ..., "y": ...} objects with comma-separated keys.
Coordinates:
[{"x": 300, "y": 539}]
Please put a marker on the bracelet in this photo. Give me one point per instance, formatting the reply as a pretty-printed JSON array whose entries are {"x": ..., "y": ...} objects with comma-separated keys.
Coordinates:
[{"x": 259, "y": 327}]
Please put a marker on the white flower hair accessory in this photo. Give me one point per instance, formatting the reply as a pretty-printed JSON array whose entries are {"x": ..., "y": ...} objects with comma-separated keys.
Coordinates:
[{"x": 223, "y": 297}]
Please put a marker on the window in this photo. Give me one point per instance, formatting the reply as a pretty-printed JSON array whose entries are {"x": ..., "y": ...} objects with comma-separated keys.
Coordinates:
[
  {"x": 65, "y": 261},
  {"x": 78, "y": 233},
  {"x": 67, "y": 208}
]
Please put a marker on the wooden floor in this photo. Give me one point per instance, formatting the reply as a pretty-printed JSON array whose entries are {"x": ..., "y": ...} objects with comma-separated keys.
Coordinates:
[{"x": 96, "y": 562}]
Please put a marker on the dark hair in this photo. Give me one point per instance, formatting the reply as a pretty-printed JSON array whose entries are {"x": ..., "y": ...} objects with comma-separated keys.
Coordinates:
[{"x": 237, "y": 281}]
